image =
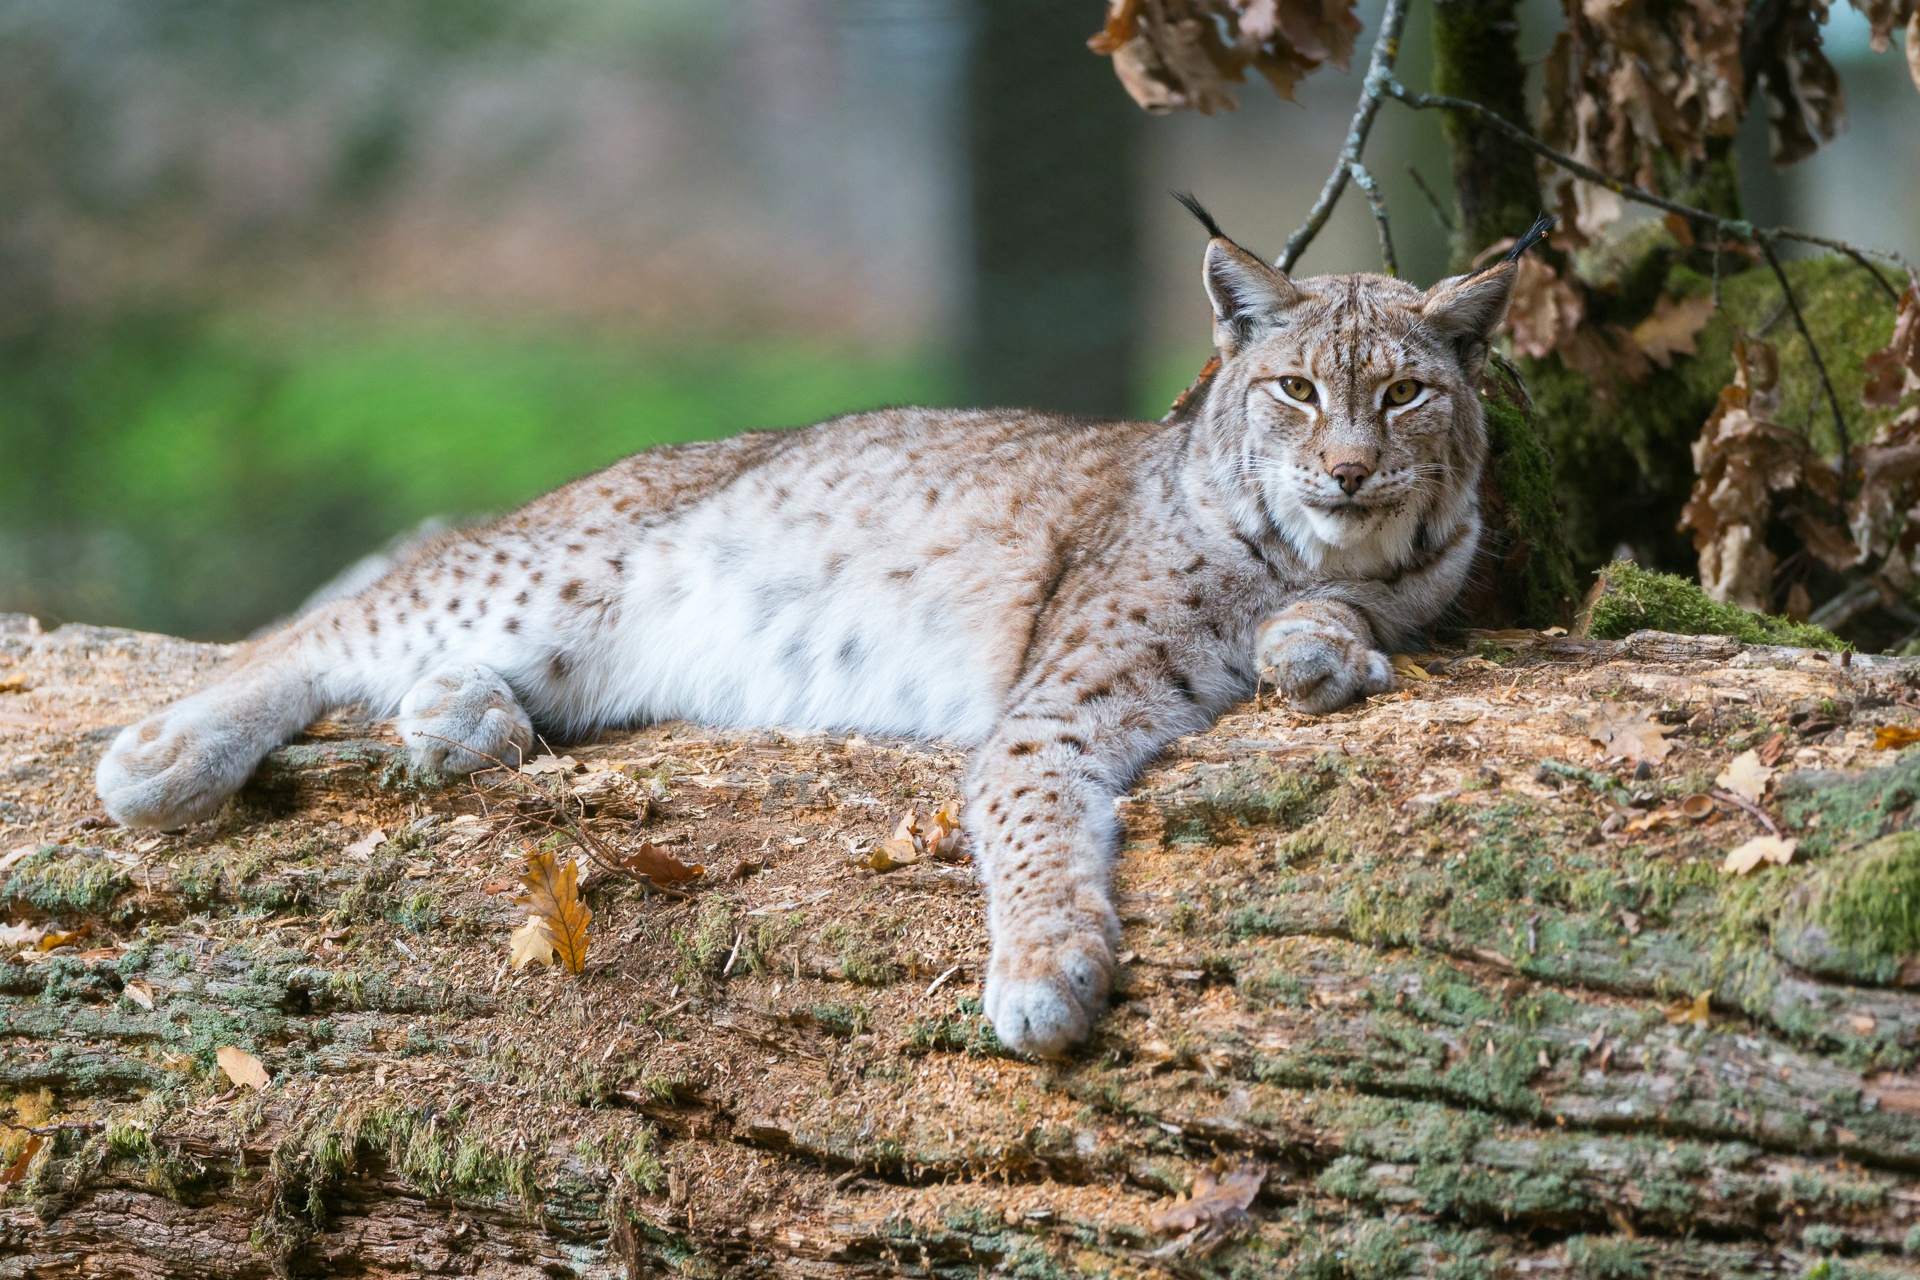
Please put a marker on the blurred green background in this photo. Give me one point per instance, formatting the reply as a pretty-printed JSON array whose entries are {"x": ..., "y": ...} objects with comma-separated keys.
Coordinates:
[{"x": 279, "y": 280}]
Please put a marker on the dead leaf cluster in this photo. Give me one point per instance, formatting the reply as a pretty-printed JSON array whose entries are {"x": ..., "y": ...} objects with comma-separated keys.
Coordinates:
[
  {"x": 1216, "y": 1209},
  {"x": 918, "y": 837},
  {"x": 1177, "y": 54}
]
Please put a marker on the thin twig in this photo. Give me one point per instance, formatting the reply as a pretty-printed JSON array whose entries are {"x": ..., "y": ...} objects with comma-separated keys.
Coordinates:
[
  {"x": 1738, "y": 228},
  {"x": 1819, "y": 365},
  {"x": 1433, "y": 201},
  {"x": 1386, "y": 47},
  {"x": 1753, "y": 809},
  {"x": 1364, "y": 180}
]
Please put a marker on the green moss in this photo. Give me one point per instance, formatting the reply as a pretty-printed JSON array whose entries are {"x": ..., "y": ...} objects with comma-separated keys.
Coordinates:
[
  {"x": 966, "y": 1031},
  {"x": 1607, "y": 1258},
  {"x": 1219, "y": 805},
  {"x": 65, "y": 883},
  {"x": 1631, "y": 599},
  {"x": 842, "y": 1020},
  {"x": 1524, "y": 577}
]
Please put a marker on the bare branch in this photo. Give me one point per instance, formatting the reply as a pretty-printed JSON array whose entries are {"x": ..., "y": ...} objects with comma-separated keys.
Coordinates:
[
  {"x": 1386, "y": 47},
  {"x": 1364, "y": 180},
  {"x": 1819, "y": 364},
  {"x": 1433, "y": 201}
]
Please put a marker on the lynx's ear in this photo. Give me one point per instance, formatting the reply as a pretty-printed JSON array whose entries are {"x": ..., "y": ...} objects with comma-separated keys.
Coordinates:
[
  {"x": 1246, "y": 293},
  {"x": 1463, "y": 311}
]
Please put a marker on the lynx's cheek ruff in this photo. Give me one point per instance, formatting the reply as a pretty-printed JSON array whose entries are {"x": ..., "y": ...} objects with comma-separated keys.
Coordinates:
[{"x": 1064, "y": 597}]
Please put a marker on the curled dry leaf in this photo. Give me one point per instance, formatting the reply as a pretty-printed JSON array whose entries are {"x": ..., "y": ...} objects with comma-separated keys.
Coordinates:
[
  {"x": 1177, "y": 54},
  {"x": 1894, "y": 370},
  {"x": 363, "y": 847},
  {"x": 553, "y": 897},
  {"x": 658, "y": 865},
  {"x": 917, "y": 837},
  {"x": 1743, "y": 461},
  {"x": 241, "y": 1067},
  {"x": 1214, "y": 1201},
  {"x": 529, "y": 944},
  {"x": 1696, "y": 1012},
  {"x": 18, "y": 1169},
  {"x": 550, "y": 764},
  {"x": 140, "y": 993},
  {"x": 15, "y": 936},
  {"x": 1672, "y": 327},
  {"x": 1745, "y": 777},
  {"x": 1407, "y": 669},
  {"x": 1778, "y": 850},
  {"x": 1628, "y": 732},
  {"x": 1891, "y": 737}
]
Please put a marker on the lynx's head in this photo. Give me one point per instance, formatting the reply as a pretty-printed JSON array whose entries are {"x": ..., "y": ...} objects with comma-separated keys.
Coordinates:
[{"x": 1343, "y": 413}]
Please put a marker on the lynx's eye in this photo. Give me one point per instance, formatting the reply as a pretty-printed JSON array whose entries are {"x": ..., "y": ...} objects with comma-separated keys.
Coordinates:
[
  {"x": 1403, "y": 392},
  {"x": 1297, "y": 388}
]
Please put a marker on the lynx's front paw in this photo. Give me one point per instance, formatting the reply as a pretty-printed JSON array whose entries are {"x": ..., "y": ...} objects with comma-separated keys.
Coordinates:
[
  {"x": 462, "y": 719},
  {"x": 1319, "y": 666},
  {"x": 174, "y": 768},
  {"x": 1043, "y": 992}
]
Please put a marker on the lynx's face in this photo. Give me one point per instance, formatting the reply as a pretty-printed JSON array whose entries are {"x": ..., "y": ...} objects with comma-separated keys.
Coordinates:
[{"x": 1346, "y": 403}]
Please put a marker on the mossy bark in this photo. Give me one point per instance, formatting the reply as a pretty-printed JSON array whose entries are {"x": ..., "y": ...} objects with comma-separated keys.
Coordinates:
[
  {"x": 1389, "y": 957},
  {"x": 1476, "y": 56}
]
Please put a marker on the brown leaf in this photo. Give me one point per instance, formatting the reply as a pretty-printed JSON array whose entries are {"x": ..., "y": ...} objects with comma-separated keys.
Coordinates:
[
  {"x": 241, "y": 1067},
  {"x": 1891, "y": 737},
  {"x": 1894, "y": 370},
  {"x": 55, "y": 938},
  {"x": 1176, "y": 54},
  {"x": 1221, "y": 1201},
  {"x": 1695, "y": 1012},
  {"x": 1772, "y": 749},
  {"x": 530, "y": 944},
  {"x": 1746, "y": 777},
  {"x": 13, "y": 684},
  {"x": 1775, "y": 849},
  {"x": 562, "y": 765},
  {"x": 140, "y": 993},
  {"x": 18, "y": 1169},
  {"x": 553, "y": 895},
  {"x": 1624, "y": 731},
  {"x": 891, "y": 854},
  {"x": 1670, "y": 330},
  {"x": 657, "y": 864}
]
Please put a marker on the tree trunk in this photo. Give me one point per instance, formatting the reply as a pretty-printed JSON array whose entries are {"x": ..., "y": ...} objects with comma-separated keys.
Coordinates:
[
  {"x": 1476, "y": 56},
  {"x": 1052, "y": 149},
  {"x": 1393, "y": 960}
]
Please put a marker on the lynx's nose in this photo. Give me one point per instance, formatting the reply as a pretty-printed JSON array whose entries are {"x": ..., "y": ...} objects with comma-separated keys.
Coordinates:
[{"x": 1351, "y": 476}]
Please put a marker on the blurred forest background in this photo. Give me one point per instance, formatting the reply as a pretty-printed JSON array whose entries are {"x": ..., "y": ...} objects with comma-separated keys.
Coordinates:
[{"x": 281, "y": 278}]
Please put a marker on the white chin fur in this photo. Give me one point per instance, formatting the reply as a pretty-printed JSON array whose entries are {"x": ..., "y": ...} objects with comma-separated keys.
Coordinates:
[{"x": 1361, "y": 544}]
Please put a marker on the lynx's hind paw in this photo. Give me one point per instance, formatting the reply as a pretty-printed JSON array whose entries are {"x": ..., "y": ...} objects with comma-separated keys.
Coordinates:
[
  {"x": 1320, "y": 668},
  {"x": 1042, "y": 998},
  {"x": 461, "y": 719},
  {"x": 174, "y": 768}
]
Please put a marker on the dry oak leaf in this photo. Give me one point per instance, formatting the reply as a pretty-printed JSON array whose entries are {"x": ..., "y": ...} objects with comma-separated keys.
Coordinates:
[
  {"x": 1670, "y": 330},
  {"x": 661, "y": 867},
  {"x": 1746, "y": 777},
  {"x": 1694, "y": 1012},
  {"x": 1775, "y": 849},
  {"x": 18, "y": 1169},
  {"x": 1893, "y": 370},
  {"x": 241, "y": 1067},
  {"x": 550, "y": 764},
  {"x": 529, "y": 944},
  {"x": 1625, "y": 731},
  {"x": 1212, "y": 1201},
  {"x": 1891, "y": 737},
  {"x": 553, "y": 896}
]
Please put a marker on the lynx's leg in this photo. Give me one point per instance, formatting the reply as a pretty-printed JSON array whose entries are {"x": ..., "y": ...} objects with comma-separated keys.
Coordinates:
[
  {"x": 462, "y": 718},
  {"x": 180, "y": 764},
  {"x": 1320, "y": 655},
  {"x": 1040, "y": 810}
]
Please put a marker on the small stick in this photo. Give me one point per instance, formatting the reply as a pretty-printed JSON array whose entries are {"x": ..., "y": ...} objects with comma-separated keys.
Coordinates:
[
  {"x": 1371, "y": 189},
  {"x": 1813, "y": 349},
  {"x": 1433, "y": 201},
  {"x": 940, "y": 981},
  {"x": 1753, "y": 809}
]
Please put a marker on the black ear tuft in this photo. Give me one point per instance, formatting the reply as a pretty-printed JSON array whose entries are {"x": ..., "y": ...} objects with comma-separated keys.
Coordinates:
[
  {"x": 1535, "y": 234},
  {"x": 1199, "y": 211}
]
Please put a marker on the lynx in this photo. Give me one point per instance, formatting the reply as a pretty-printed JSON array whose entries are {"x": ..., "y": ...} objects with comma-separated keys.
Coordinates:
[{"x": 1062, "y": 596}]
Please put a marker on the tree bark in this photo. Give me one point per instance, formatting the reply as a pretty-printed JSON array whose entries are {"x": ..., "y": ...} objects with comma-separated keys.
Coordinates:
[
  {"x": 1052, "y": 147},
  {"x": 1393, "y": 960},
  {"x": 1476, "y": 56}
]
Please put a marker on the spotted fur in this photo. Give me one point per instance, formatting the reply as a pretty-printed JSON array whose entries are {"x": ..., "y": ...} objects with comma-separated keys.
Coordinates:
[{"x": 1063, "y": 596}]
